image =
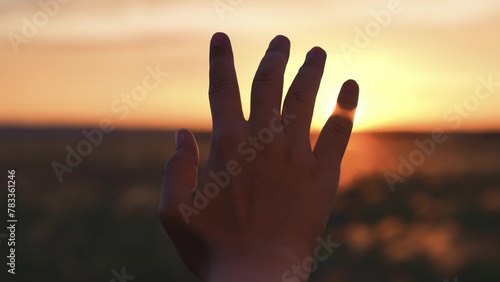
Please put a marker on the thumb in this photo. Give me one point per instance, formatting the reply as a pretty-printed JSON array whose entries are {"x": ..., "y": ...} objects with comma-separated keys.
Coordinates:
[{"x": 180, "y": 175}]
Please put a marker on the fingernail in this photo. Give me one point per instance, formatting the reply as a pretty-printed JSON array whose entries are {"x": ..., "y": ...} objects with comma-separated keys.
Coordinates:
[
  {"x": 278, "y": 40},
  {"x": 351, "y": 86},
  {"x": 179, "y": 136},
  {"x": 218, "y": 39},
  {"x": 348, "y": 97},
  {"x": 315, "y": 52}
]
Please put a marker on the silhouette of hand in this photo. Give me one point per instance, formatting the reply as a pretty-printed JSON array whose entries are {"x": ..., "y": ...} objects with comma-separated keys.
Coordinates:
[{"x": 263, "y": 196}]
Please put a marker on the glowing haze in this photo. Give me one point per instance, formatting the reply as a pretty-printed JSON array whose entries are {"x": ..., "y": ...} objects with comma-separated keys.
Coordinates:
[{"x": 420, "y": 64}]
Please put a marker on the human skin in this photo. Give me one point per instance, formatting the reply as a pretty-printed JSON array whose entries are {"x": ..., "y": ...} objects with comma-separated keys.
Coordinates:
[{"x": 274, "y": 193}]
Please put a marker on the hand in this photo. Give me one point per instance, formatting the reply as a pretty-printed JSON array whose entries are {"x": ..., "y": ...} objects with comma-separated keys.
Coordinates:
[{"x": 263, "y": 196}]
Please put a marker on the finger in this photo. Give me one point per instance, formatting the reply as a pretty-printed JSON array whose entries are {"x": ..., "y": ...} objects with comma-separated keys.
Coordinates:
[
  {"x": 180, "y": 176},
  {"x": 224, "y": 95},
  {"x": 334, "y": 136},
  {"x": 301, "y": 96},
  {"x": 267, "y": 87}
]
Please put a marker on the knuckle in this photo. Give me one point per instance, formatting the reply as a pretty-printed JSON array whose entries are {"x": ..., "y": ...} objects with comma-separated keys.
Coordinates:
[
  {"x": 228, "y": 137},
  {"x": 175, "y": 158},
  {"x": 272, "y": 67},
  {"x": 299, "y": 95},
  {"x": 310, "y": 73},
  {"x": 265, "y": 74},
  {"x": 218, "y": 84},
  {"x": 339, "y": 127}
]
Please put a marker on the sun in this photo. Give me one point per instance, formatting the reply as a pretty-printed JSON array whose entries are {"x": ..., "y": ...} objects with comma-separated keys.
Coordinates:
[{"x": 324, "y": 109}]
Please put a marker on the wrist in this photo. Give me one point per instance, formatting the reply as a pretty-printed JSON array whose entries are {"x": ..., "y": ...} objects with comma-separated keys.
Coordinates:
[{"x": 263, "y": 264}]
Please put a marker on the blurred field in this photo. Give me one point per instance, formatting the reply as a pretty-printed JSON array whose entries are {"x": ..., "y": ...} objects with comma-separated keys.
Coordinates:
[{"x": 442, "y": 222}]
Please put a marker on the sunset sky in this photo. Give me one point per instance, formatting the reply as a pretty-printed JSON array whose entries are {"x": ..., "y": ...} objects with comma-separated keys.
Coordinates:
[{"x": 420, "y": 64}]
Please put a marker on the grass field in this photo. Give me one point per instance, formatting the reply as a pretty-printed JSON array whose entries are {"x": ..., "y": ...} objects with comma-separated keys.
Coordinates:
[{"x": 442, "y": 221}]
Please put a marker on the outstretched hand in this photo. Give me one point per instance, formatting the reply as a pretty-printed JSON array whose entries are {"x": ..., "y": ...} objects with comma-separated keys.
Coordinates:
[{"x": 263, "y": 196}]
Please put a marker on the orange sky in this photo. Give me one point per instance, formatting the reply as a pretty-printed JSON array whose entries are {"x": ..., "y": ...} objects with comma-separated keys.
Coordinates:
[{"x": 419, "y": 67}]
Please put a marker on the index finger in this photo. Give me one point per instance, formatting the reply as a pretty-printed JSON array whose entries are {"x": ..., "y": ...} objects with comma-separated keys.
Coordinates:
[{"x": 224, "y": 94}]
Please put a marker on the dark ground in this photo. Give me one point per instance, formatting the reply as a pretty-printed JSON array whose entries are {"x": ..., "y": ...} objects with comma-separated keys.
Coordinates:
[{"x": 442, "y": 222}]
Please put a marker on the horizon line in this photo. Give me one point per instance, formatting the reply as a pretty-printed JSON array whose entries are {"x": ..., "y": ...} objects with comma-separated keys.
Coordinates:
[{"x": 199, "y": 130}]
